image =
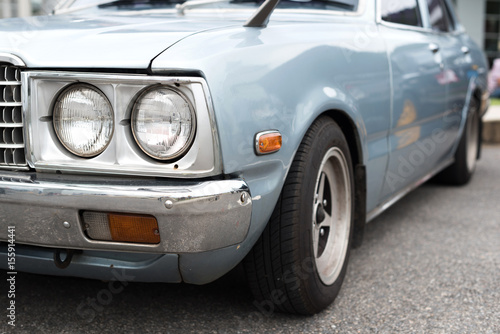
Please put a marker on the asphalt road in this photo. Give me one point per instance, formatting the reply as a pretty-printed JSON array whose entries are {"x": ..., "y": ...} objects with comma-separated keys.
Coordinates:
[{"x": 430, "y": 264}]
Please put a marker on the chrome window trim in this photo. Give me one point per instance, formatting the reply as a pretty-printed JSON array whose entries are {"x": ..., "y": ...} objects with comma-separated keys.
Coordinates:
[
  {"x": 424, "y": 13},
  {"x": 400, "y": 25},
  {"x": 191, "y": 165},
  {"x": 459, "y": 28}
]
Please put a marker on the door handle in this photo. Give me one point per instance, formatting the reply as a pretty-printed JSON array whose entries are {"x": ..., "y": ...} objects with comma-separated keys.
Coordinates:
[
  {"x": 434, "y": 48},
  {"x": 465, "y": 50}
]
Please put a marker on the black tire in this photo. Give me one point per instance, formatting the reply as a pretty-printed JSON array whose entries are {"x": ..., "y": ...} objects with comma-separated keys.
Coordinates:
[
  {"x": 282, "y": 268},
  {"x": 461, "y": 171}
]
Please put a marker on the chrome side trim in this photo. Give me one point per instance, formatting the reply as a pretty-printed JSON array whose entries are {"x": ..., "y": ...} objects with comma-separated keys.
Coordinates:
[
  {"x": 193, "y": 216},
  {"x": 389, "y": 202}
]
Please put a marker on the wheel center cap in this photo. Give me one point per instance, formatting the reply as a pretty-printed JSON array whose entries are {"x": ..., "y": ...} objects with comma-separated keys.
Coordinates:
[{"x": 320, "y": 214}]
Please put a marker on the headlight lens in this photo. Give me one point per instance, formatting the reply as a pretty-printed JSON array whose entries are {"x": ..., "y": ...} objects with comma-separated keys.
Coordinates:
[
  {"x": 83, "y": 120},
  {"x": 163, "y": 123}
]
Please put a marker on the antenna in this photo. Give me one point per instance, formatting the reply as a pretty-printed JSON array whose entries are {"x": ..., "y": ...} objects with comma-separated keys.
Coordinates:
[{"x": 261, "y": 16}]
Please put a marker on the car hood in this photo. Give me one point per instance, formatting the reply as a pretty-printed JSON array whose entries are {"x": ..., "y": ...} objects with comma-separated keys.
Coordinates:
[{"x": 87, "y": 41}]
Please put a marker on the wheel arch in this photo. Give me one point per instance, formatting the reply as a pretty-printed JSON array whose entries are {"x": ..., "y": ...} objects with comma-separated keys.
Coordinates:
[{"x": 350, "y": 132}]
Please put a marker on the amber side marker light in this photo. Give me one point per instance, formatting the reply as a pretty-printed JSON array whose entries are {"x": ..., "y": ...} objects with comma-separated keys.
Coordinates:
[
  {"x": 120, "y": 227},
  {"x": 267, "y": 142}
]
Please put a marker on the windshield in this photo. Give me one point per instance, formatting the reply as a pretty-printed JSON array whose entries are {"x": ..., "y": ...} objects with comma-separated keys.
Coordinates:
[{"x": 342, "y": 5}]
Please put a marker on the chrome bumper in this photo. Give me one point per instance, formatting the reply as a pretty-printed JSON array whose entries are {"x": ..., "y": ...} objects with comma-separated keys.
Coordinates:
[{"x": 193, "y": 216}]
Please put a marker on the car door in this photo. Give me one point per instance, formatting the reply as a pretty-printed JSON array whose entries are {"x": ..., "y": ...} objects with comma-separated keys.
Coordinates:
[
  {"x": 457, "y": 73},
  {"x": 419, "y": 93}
]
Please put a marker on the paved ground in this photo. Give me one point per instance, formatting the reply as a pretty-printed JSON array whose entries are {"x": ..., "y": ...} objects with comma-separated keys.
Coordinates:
[{"x": 431, "y": 264}]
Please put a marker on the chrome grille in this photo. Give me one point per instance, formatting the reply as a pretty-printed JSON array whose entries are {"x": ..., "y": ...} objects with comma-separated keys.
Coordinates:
[{"x": 12, "y": 155}]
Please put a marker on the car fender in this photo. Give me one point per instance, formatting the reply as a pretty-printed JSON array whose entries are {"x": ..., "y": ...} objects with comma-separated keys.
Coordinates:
[{"x": 257, "y": 85}]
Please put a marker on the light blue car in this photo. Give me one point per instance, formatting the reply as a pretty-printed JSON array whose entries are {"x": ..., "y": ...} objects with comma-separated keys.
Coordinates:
[{"x": 169, "y": 141}]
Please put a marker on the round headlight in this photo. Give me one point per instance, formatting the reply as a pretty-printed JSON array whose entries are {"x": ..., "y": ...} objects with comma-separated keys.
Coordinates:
[
  {"x": 163, "y": 123},
  {"x": 83, "y": 120}
]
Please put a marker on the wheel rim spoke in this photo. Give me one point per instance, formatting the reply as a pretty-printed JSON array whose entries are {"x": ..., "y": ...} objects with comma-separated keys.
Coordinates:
[
  {"x": 321, "y": 188},
  {"x": 323, "y": 215},
  {"x": 331, "y": 216},
  {"x": 472, "y": 139},
  {"x": 327, "y": 222}
]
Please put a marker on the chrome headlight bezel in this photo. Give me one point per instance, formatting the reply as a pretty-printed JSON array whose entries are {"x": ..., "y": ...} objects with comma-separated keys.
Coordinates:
[
  {"x": 179, "y": 153},
  {"x": 123, "y": 156},
  {"x": 63, "y": 142}
]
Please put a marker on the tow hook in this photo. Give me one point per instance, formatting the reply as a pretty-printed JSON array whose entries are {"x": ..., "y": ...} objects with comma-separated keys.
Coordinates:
[{"x": 67, "y": 260}]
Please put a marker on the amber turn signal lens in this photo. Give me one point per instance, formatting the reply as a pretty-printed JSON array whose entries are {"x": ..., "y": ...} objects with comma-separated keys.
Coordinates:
[
  {"x": 133, "y": 228},
  {"x": 268, "y": 142}
]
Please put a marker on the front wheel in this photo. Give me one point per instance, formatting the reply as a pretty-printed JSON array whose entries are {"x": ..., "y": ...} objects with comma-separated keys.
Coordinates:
[{"x": 300, "y": 260}]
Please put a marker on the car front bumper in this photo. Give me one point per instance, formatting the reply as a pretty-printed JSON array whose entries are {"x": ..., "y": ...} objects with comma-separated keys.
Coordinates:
[{"x": 193, "y": 216}]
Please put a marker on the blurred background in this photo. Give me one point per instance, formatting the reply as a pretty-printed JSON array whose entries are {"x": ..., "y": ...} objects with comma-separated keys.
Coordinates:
[
  {"x": 23, "y": 8},
  {"x": 481, "y": 18}
]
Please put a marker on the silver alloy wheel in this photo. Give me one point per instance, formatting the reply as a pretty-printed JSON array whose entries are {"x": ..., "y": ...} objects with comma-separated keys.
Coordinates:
[
  {"x": 331, "y": 216},
  {"x": 472, "y": 136}
]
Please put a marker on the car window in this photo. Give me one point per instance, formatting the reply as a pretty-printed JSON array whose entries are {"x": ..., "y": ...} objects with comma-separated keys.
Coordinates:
[
  {"x": 451, "y": 21},
  {"x": 438, "y": 15},
  {"x": 402, "y": 12}
]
